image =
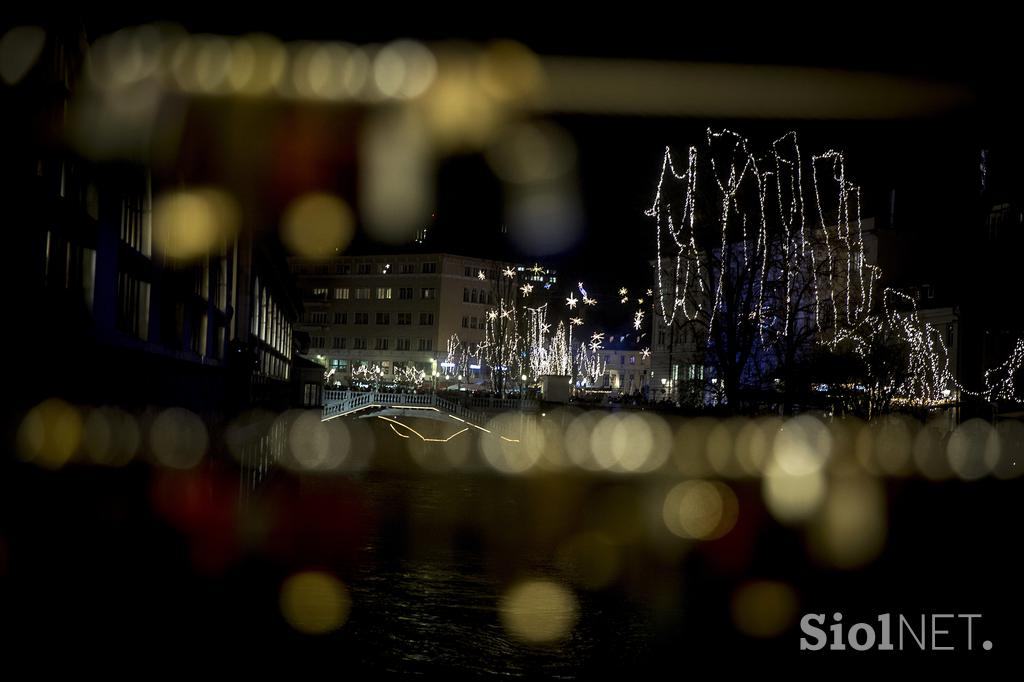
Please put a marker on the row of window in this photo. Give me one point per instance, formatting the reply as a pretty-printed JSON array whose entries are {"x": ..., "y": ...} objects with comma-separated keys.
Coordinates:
[
  {"x": 477, "y": 296},
  {"x": 469, "y": 322},
  {"x": 402, "y": 319},
  {"x": 428, "y": 268},
  {"x": 622, "y": 359},
  {"x": 382, "y": 293},
  {"x": 380, "y": 343},
  {"x": 475, "y": 272}
]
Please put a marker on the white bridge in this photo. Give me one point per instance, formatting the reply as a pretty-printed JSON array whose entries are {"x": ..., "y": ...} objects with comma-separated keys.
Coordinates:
[{"x": 428, "y": 405}]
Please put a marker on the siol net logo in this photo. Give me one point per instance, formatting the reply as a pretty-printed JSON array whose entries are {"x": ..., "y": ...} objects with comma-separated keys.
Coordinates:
[{"x": 934, "y": 632}]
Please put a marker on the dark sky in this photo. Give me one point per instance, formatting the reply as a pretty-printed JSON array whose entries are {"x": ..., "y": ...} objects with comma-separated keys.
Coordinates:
[{"x": 931, "y": 163}]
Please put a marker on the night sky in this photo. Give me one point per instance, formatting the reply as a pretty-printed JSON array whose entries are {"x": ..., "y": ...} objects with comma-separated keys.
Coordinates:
[{"x": 932, "y": 164}]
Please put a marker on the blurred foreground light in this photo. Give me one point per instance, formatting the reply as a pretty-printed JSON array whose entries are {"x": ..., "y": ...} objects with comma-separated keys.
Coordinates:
[
  {"x": 973, "y": 449},
  {"x": 763, "y": 608},
  {"x": 1011, "y": 449},
  {"x": 315, "y": 445},
  {"x": 314, "y": 602},
  {"x": 722, "y": 448},
  {"x": 792, "y": 497},
  {"x": 690, "y": 447},
  {"x": 110, "y": 436},
  {"x": 802, "y": 446},
  {"x": 591, "y": 560},
  {"x": 510, "y": 448},
  {"x": 396, "y": 175},
  {"x": 700, "y": 510},
  {"x": 630, "y": 442},
  {"x": 403, "y": 69},
  {"x": 577, "y": 442},
  {"x": 20, "y": 48},
  {"x": 510, "y": 71},
  {"x": 257, "y": 64},
  {"x": 317, "y": 225},
  {"x": 929, "y": 450},
  {"x": 851, "y": 529},
  {"x": 538, "y": 611},
  {"x": 123, "y": 58},
  {"x": 460, "y": 115},
  {"x": 885, "y": 445},
  {"x": 178, "y": 438},
  {"x": 532, "y": 152},
  {"x": 189, "y": 224},
  {"x": 754, "y": 444},
  {"x": 664, "y": 88},
  {"x": 243, "y": 434},
  {"x": 50, "y": 434}
]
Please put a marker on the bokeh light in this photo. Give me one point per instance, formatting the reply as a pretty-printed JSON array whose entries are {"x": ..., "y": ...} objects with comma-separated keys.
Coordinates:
[
  {"x": 851, "y": 528},
  {"x": 763, "y": 608},
  {"x": 178, "y": 438},
  {"x": 973, "y": 449},
  {"x": 700, "y": 510},
  {"x": 538, "y": 611},
  {"x": 317, "y": 225},
  {"x": 110, "y": 436},
  {"x": 314, "y": 602},
  {"x": 189, "y": 224},
  {"x": 50, "y": 433},
  {"x": 20, "y": 48}
]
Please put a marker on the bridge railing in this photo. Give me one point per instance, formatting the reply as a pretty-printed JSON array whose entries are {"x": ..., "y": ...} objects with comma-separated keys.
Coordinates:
[{"x": 341, "y": 402}]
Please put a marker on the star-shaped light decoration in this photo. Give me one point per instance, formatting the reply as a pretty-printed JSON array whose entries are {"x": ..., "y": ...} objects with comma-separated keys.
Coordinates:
[
  {"x": 491, "y": 314},
  {"x": 480, "y": 274},
  {"x": 526, "y": 289},
  {"x": 589, "y": 301},
  {"x": 596, "y": 345},
  {"x": 623, "y": 291},
  {"x": 650, "y": 293},
  {"x": 625, "y": 300},
  {"x": 640, "y": 301},
  {"x": 537, "y": 269},
  {"x": 578, "y": 321},
  {"x": 645, "y": 353},
  {"x": 571, "y": 302},
  {"x": 509, "y": 272},
  {"x": 638, "y": 319},
  {"x": 597, "y": 336},
  {"x": 545, "y": 328}
]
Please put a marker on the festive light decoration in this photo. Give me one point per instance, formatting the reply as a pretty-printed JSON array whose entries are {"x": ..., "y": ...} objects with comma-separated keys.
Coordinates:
[
  {"x": 623, "y": 291},
  {"x": 509, "y": 272},
  {"x": 481, "y": 275},
  {"x": 578, "y": 321},
  {"x": 526, "y": 289},
  {"x": 787, "y": 263},
  {"x": 571, "y": 302},
  {"x": 589, "y": 301},
  {"x": 645, "y": 353},
  {"x": 638, "y": 319}
]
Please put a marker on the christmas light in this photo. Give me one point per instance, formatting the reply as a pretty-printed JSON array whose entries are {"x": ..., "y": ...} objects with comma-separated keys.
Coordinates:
[
  {"x": 571, "y": 301},
  {"x": 638, "y": 319},
  {"x": 799, "y": 258}
]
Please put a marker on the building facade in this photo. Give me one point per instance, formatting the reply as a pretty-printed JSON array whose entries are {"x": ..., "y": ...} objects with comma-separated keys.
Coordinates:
[{"x": 393, "y": 310}]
